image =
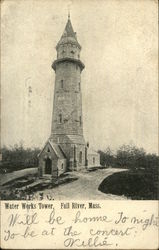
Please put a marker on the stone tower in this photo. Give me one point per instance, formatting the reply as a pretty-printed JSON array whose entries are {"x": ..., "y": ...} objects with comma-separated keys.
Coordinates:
[
  {"x": 66, "y": 148},
  {"x": 67, "y": 120}
]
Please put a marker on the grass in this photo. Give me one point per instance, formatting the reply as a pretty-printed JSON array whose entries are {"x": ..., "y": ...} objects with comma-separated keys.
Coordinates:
[{"x": 134, "y": 184}]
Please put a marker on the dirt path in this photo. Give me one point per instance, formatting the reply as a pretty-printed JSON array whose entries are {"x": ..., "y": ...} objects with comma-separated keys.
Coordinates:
[
  {"x": 85, "y": 188},
  {"x": 4, "y": 178}
]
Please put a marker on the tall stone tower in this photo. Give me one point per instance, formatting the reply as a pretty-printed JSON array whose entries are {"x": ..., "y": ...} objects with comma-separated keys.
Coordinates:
[
  {"x": 67, "y": 120},
  {"x": 67, "y": 108},
  {"x": 66, "y": 148}
]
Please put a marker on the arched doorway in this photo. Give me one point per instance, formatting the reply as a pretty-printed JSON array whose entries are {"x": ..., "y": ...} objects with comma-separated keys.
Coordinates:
[{"x": 48, "y": 166}]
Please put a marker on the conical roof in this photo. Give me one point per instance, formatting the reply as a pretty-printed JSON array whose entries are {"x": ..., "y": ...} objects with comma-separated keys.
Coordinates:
[
  {"x": 68, "y": 36},
  {"x": 69, "y": 30}
]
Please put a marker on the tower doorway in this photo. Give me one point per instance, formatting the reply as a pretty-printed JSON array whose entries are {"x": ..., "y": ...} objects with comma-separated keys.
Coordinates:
[{"x": 48, "y": 166}]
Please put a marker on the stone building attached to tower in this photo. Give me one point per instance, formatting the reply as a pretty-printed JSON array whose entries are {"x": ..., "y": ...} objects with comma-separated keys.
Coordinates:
[{"x": 66, "y": 149}]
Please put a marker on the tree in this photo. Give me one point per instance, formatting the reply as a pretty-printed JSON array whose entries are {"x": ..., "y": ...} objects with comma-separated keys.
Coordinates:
[
  {"x": 18, "y": 157},
  {"x": 130, "y": 157},
  {"x": 106, "y": 157}
]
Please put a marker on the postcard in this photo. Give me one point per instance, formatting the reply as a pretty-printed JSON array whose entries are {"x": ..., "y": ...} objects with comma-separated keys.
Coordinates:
[{"x": 79, "y": 156}]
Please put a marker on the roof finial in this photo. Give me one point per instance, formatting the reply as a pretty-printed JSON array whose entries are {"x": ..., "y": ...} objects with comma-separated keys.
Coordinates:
[{"x": 68, "y": 11}]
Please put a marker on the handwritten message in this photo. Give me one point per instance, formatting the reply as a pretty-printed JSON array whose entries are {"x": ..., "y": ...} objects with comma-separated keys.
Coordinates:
[{"x": 78, "y": 225}]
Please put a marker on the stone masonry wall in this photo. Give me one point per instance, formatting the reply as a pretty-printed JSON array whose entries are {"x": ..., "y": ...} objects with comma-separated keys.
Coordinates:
[{"x": 67, "y": 100}]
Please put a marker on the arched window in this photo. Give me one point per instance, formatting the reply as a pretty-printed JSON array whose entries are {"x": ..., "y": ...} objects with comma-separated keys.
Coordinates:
[
  {"x": 60, "y": 118},
  {"x": 80, "y": 157},
  {"x": 80, "y": 120},
  {"x": 62, "y": 84},
  {"x": 30, "y": 89},
  {"x": 94, "y": 160},
  {"x": 63, "y": 53}
]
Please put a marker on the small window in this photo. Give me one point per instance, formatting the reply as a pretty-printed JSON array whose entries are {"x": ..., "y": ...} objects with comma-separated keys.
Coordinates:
[
  {"x": 78, "y": 56},
  {"x": 94, "y": 160},
  {"x": 79, "y": 84},
  {"x": 63, "y": 53},
  {"x": 60, "y": 118},
  {"x": 30, "y": 89},
  {"x": 80, "y": 157},
  {"x": 62, "y": 84},
  {"x": 62, "y": 166},
  {"x": 77, "y": 67},
  {"x": 72, "y": 52},
  {"x": 80, "y": 120},
  {"x": 48, "y": 150},
  {"x": 29, "y": 103}
]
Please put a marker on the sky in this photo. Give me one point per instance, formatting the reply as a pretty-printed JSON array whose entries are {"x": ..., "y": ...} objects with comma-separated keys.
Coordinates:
[{"x": 119, "y": 42}]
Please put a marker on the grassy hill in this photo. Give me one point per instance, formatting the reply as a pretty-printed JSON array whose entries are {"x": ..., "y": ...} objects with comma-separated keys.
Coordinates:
[{"x": 134, "y": 184}]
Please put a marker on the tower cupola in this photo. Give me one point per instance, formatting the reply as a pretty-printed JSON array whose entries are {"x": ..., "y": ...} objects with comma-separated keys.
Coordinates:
[
  {"x": 68, "y": 47},
  {"x": 68, "y": 36}
]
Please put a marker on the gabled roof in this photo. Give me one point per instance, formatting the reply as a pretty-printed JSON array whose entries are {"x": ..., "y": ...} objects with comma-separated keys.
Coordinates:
[{"x": 56, "y": 148}]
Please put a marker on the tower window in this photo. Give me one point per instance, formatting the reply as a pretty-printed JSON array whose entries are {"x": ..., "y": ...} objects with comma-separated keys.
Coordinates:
[
  {"x": 78, "y": 56},
  {"x": 72, "y": 53},
  {"x": 63, "y": 53},
  {"x": 79, "y": 84},
  {"x": 93, "y": 160},
  {"x": 62, "y": 84},
  {"x": 60, "y": 118},
  {"x": 80, "y": 157},
  {"x": 62, "y": 166},
  {"x": 80, "y": 118}
]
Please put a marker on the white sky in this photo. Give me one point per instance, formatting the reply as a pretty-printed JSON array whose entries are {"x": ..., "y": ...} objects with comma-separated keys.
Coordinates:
[{"x": 119, "y": 82}]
